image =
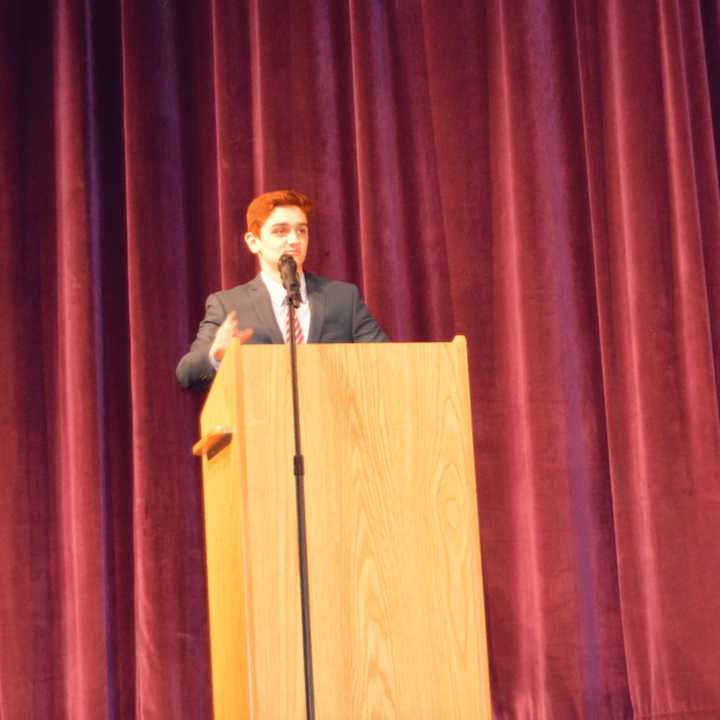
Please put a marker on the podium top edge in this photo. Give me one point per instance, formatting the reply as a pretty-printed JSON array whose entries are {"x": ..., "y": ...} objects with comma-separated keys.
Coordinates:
[{"x": 460, "y": 340}]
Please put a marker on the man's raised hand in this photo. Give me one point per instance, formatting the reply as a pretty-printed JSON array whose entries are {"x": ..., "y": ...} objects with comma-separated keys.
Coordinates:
[{"x": 226, "y": 332}]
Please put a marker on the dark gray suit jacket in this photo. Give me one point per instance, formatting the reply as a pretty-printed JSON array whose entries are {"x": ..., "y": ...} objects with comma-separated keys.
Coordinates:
[{"x": 337, "y": 315}]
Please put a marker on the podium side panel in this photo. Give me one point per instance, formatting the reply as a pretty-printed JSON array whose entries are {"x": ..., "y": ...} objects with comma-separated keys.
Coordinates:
[
  {"x": 225, "y": 547},
  {"x": 459, "y": 348}
]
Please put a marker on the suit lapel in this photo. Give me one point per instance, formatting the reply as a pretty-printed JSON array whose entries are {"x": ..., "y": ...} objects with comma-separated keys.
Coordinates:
[
  {"x": 317, "y": 308},
  {"x": 260, "y": 301}
]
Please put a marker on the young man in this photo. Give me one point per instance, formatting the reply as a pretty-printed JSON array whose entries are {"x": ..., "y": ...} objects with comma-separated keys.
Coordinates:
[{"x": 256, "y": 312}]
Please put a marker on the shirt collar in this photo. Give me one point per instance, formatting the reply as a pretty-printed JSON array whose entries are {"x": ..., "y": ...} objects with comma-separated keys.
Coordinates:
[{"x": 278, "y": 292}]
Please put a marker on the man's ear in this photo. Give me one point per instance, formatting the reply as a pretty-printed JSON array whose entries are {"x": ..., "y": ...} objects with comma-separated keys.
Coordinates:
[{"x": 252, "y": 242}]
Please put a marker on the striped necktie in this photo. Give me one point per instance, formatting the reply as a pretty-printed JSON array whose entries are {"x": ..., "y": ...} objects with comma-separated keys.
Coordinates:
[{"x": 299, "y": 338}]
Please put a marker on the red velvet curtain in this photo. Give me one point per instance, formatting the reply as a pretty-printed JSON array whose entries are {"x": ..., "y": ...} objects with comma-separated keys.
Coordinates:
[{"x": 540, "y": 176}]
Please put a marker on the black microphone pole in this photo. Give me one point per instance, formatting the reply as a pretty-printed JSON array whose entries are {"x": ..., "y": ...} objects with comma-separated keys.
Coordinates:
[{"x": 288, "y": 273}]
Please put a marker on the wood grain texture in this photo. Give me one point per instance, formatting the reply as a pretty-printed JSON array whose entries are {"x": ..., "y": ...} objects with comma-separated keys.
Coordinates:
[
  {"x": 226, "y": 544},
  {"x": 394, "y": 557}
]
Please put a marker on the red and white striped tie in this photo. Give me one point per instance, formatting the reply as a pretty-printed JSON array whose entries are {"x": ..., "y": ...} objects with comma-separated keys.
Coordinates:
[{"x": 299, "y": 338}]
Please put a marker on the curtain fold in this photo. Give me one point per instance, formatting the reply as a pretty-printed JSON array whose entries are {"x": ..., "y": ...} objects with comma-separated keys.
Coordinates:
[{"x": 540, "y": 177}]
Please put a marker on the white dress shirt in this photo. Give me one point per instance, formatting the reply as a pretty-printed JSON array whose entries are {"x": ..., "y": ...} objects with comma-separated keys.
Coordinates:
[{"x": 278, "y": 296}]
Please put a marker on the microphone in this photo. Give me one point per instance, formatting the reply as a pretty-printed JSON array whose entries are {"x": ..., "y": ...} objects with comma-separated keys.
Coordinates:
[{"x": 290, "y": 281}]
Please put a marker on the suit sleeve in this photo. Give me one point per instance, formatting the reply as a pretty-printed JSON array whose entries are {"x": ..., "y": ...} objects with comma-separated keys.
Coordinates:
[
  {"x": 365, "y": 328},
  {"x": 194, "y": 371}
]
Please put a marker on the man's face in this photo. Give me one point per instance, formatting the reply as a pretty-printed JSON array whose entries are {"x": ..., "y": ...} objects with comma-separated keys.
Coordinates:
[{"x": 284, "y": 231}]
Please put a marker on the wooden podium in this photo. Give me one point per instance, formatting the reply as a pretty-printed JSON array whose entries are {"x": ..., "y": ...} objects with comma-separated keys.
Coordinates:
[{"x": 396, "y": 599}]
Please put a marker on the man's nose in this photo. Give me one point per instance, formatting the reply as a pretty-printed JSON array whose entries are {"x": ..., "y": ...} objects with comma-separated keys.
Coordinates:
[{"x": 293, "y": 238}]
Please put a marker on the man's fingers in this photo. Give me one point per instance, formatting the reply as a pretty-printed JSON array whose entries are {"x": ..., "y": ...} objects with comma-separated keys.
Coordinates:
[
  {"x": 227, "y": 331},
  {"x": 243, "y": 335},
  {"x": 230, "y": 322}
]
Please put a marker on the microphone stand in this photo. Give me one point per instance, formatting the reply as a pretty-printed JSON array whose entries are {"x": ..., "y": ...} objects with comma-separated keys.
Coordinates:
[{"x": 299, "y": 470}]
